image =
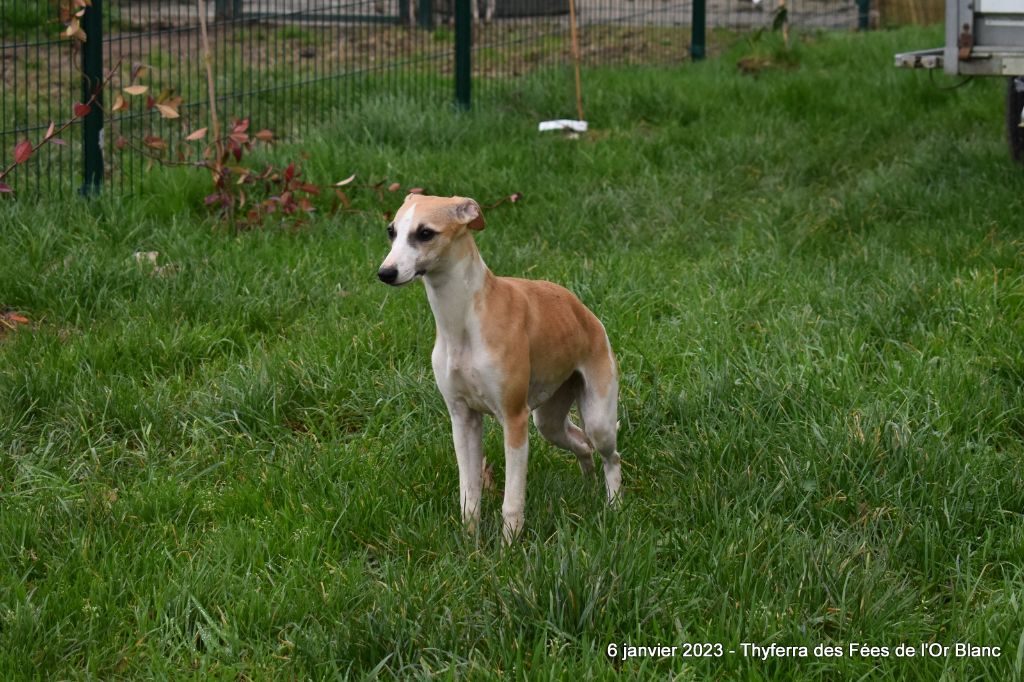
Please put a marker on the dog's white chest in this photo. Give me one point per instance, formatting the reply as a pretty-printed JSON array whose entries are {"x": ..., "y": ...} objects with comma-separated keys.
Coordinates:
[{"x": 464, "y": 374}]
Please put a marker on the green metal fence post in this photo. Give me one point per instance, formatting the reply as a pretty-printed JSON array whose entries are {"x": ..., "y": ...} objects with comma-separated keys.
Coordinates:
[
  {"x": 863, "y": 14},
  {"x": 698, "y": 30},
  {"x": 92, "y": 78},
  {"x": 403, "y": 11},
  {"x": 425, "y": 14},
  {"x": 463, "y": 53}
]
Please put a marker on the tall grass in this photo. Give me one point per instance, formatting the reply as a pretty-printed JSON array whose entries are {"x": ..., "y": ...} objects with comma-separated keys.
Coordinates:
[{"x": 813, "y": 282}]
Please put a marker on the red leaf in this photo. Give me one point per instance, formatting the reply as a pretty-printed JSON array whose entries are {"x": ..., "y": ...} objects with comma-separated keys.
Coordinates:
[
  {"x": 150, "y": 102},
  {"x": 343, "y": 197},
  {"x": 416, "y": 190},
  {"x": 211, "y": 198},
  {"x": 196, "y": 135},
  {"x": 239, "y": 138},
  {"x": 154, "y": 142},
  {"x": 22, "y": 151},
  {"x": 57, "y": 141},
  {"x": 264, "y": 135},
  {"x": 516, "y": 197},
  {"x": 241, "y": 126},
  {"x": 82, "y": 110},
  {"x": 394, "y": 187},
  {"x": 310, "y": 188},
  {"x": 5, "y": 188},
  {"x": 289, "y": 172},
  {"x": 121, "y": 142},
  {"x": 49, "y": 131}
]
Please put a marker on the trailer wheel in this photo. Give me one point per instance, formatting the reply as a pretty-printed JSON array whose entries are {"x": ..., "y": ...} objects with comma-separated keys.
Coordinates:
[{"x": 1014, "y": 107}]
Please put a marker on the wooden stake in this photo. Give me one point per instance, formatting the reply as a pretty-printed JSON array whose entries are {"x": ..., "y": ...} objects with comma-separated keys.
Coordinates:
[{"x": 208, "y": 58}]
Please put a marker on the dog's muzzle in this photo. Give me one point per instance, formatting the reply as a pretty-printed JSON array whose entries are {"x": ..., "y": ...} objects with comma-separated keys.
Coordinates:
[{"x": 388, "y": 275}]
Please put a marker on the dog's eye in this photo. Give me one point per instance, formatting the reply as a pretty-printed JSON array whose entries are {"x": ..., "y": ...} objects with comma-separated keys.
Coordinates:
[
  {"x": 424, "y": 233},
  {"x": 391, "y": 232}
]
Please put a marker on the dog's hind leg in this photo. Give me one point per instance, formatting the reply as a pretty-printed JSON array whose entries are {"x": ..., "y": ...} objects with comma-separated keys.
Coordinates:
[
  {"x": 553, "y": 423},
  {"x": 598, "y": 400}
]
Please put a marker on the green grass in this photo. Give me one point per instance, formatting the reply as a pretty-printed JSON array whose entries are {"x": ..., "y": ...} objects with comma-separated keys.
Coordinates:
[
  {"x": 813, "y": 282},
  {"x": 31, "y": 20},
  {"x": 22, "y": 18}
]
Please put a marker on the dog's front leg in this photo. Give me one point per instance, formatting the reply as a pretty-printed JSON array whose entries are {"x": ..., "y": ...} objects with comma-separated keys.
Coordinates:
[
  {"x": 467, "y": 432},
  {"x": 516, "y": 455}
]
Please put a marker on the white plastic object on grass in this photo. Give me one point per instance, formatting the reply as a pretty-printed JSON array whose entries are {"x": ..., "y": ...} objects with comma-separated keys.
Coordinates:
[{"x": 563, "y": 124}]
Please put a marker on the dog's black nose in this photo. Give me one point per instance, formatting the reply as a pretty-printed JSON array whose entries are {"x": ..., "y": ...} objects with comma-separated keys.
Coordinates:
[{"x": 388, "y": 275}]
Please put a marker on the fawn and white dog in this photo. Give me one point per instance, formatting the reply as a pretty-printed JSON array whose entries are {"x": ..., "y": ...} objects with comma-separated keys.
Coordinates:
[{"x": 505, "y": 347}]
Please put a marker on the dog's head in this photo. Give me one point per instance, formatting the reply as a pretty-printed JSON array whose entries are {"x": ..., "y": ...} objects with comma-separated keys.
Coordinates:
[{"x": 427, "y": 233}]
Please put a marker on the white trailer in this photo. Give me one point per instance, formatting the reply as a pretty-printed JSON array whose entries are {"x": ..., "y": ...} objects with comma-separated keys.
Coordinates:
[{"x": 983, "y": 38}]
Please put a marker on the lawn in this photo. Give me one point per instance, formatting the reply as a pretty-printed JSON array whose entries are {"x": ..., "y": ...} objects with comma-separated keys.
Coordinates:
[{"x": 813, "y": 279}]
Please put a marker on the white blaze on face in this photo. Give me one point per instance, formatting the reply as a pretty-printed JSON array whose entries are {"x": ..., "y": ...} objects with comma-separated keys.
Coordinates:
[{"x": 403, "y": 255}]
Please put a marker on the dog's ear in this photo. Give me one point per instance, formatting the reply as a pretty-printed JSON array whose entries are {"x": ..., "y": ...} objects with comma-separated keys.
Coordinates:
[{"x": 468, "y": 213}]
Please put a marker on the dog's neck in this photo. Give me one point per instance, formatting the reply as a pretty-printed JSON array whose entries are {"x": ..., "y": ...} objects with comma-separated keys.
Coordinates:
[{"x": 451, "y": 290}]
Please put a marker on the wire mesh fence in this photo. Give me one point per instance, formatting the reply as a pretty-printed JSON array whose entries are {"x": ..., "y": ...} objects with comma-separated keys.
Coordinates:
[{"x": 288, "y": 64}]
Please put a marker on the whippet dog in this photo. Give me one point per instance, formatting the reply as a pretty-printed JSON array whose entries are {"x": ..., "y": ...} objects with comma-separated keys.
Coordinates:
[{"x": 505, "y": 347}]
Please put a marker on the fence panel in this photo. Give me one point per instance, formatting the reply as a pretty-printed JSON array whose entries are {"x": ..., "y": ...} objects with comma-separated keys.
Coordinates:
[
  {"x": 283, "y": 64},
  {"x": 41, "y": 83},
  {"x": 286, "y": 64}
]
